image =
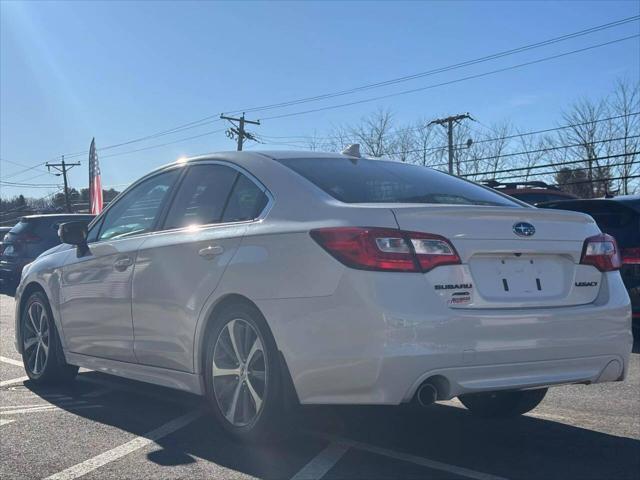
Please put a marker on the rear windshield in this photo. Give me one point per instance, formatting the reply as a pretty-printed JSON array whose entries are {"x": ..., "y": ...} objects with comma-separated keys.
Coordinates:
[
  {"x": 378, "y": 181},
  {"x": 21, "y": 226}
]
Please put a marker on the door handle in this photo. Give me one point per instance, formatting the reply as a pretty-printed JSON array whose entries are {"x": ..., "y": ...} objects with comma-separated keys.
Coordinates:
[
  {"x": 210, "y": 251},
  {"x": 122, "y": 263}
]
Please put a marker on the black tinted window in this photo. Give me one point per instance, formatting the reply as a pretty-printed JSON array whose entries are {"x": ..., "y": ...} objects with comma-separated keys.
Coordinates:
[
  {"x": 246, "y": 201},
  {"x": 612, "y": 217},
  {"x": 378, "y": 181},
  {"x": 138, "y": 209},
  {"x": 202, "y": 196},
  {"x": 21, "y": 226}
]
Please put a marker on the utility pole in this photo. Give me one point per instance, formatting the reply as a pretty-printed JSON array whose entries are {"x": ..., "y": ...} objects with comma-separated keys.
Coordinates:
[
  {"x": 448, "y": 123},
  {"x": 238, "y": 129},
  {"x": 63, "y": 168}
]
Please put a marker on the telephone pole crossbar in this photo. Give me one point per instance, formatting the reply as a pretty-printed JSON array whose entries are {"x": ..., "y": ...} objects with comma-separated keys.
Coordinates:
[
  {"x": 238, "y": 129},
  {"x": 448, "y": 123},
  {"x": 63, "y": 168}
]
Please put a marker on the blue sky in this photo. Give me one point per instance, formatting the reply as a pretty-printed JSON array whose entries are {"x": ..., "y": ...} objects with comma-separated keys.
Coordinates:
[{"x": 121, "y": 70}]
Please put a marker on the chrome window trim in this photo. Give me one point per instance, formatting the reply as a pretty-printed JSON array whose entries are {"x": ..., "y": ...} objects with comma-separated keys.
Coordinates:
[
  {"x": 263, "y": 214},
  {"x": 123, "y": 193}
]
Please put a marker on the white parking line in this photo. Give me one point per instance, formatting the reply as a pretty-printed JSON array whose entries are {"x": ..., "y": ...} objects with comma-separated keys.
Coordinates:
[
  {"x": 322, "y": 463},
  {"x": 11, "y": 361},
  {"x": 48, "y": 408},
  {"x": 4, "y": 383},
  {"x": 407, "y": 457},
  {"x": 125, "y": 449},
  {"x": 5, "y": 421}
]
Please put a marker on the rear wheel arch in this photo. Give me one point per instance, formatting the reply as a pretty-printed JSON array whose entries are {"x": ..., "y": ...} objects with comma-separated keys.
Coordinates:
[
  {"x": 290, "y": 395},
  {"x": 210, "y": 318}
]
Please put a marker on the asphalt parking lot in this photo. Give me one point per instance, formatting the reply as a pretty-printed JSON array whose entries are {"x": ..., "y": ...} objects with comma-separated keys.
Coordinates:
[{"x": 105, "y": 427}]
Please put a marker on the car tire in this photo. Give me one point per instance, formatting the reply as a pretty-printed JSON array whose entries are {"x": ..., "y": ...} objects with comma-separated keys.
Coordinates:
[
  {"x": 508, "y": 403},
  {"x": 244, "y": 391},
  {"x": 42, "y": 353}
]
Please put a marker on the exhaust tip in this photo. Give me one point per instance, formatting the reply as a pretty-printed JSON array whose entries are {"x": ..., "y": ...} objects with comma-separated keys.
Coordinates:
[{"x": 427, "y": 394}]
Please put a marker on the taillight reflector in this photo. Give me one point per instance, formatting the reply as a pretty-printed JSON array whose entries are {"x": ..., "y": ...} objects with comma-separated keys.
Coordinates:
[
  {"x": 602, "y": 252},
  {"x": 386, "y": 249}
]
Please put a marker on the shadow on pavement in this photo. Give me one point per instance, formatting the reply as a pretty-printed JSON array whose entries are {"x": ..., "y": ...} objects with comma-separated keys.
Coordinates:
[{"x": 522, "y": 447}]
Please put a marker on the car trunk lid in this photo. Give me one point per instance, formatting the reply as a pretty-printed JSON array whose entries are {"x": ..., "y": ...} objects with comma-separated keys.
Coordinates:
[{"x": 511, "y": 257}]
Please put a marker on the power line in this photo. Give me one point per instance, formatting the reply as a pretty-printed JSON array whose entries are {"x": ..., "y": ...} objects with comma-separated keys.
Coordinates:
[
  {"x": 549, "y": 149},
  {"x": 469, "y": 77},
  {"x": 238, "y": 131},
  {"x": 63, "y": 168},
  {"x": 448, "y": 123},
  {"x": 150, "y": 147},
  {"x": 545, "y": 165},
  {"x": 447, "y": 68},
  {"x": 549, "y": 172},
  {"x": 516, "y": 135},
  {"x": 212, "y": 118}
]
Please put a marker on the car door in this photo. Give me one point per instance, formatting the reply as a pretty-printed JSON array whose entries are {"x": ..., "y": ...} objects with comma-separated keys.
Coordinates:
[
  {"x": 178, "y": 268},
  {"x": 95, "y": 301}
]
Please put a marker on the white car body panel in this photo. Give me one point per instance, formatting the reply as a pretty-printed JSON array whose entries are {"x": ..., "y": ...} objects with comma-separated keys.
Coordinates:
[{"x": 352, "y": 336}]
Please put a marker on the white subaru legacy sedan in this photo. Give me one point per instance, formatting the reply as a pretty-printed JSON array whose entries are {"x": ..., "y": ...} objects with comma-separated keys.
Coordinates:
[{"x": 261, "y": 280}]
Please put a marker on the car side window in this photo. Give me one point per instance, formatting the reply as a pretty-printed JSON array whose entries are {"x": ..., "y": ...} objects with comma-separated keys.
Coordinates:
[
  {"x": 202, "y": 196},
  {"x": 246, "y": 201},
  {"x": 137, "y": 210},
  {"x": 92, "y": 235}
]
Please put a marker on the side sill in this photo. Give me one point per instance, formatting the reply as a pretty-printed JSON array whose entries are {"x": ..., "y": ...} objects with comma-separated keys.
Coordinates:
[{"x": 188, "y": 382}]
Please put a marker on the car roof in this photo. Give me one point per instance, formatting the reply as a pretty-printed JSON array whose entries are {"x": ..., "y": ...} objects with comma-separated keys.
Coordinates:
[
  {"x": 631, "y": 201},
  {"x": 53, "y": 216},
  {"x": 540, "y": 190}
]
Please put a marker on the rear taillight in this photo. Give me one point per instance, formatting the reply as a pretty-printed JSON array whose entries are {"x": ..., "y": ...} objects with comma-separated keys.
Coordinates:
[
  {"x": 631, "y": 256},
  {"x": 602, "y": 252},
  {"x": 386, "y": 249},
  {"x": 27, "y": 238}
]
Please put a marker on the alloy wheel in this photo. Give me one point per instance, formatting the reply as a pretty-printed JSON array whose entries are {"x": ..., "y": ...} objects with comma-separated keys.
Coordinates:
[
  {"x": 36, "y": 338},
  {"x": 239, "y": 372}
]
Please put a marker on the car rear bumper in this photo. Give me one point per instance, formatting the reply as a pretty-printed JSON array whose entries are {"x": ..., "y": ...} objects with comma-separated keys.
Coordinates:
[{"x": 374, "y": 343}]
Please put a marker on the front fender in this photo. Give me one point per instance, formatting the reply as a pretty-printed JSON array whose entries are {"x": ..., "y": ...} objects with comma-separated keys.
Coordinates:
[{"x": 44, "y": 274}]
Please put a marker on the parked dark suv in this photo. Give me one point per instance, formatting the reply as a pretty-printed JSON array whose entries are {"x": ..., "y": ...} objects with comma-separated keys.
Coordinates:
[
  {"x": 31, "y": 236},
  {"x": 620, "y": 217},
  {"x": 530, "y": 192}
]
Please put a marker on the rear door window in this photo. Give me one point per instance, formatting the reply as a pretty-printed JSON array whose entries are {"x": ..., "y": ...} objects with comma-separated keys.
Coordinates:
[
  {"x": 202, "y": 196},
  {"x": 380, "y": 181},
  {"x": 246, "y": 201}
]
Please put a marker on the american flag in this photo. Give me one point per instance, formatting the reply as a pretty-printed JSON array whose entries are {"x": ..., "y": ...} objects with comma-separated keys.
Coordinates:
[{"x": 95, "y": 183}]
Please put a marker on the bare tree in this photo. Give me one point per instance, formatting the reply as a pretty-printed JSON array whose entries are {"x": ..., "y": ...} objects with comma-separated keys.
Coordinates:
[
  {"x": 403, "y": 144},
  {"x": 624, "y": 103},
  {"x": 373, "y": 133},
  {"x": 426, "y": 146},
  {"x": 583, "y": 140}
]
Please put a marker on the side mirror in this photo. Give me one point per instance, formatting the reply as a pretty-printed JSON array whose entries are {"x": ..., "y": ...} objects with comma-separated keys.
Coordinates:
[{"x": 74, "y": 233}]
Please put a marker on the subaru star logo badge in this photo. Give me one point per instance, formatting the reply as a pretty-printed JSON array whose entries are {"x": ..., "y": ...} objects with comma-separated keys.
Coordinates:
[{"x": 524, "y": 229}]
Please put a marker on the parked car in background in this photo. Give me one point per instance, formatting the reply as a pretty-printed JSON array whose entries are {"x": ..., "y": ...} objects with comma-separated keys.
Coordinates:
[
  {"x": 31, "y": 236},
  {"x": 530, "y": 192},
  {"x": 3, "y": 232},
  {"x": 262, "y": 279},
  {"x": 619, "y": 217}
]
